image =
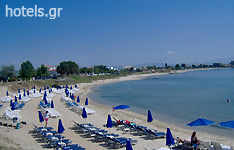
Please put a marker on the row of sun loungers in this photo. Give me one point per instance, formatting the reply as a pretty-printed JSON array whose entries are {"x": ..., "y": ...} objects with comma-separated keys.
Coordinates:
[
  {"x": 54, "y": 139},
  {"x": 10, "y": 114},
  {"x": 138, "y": 130},
  {"x": 5, "y": 99},
  {"x": 112, "y": 140},
  {"x": 52, "y": 112},
  {"x": 75, "y": 106},
  {"x": 186, "y": 144}
]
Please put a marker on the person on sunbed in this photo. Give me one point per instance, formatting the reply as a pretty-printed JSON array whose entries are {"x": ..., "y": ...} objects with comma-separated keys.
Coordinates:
[
  {"x": 194, "y": 140},
  {"x": 46, "y": 118}
]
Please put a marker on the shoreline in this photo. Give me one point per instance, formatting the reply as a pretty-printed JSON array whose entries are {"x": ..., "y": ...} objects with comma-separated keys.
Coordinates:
[{"x": 177, "y": 131}]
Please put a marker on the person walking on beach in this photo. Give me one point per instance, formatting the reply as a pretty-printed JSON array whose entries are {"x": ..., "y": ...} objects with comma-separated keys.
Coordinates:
[{"x": 46, "y": 118}]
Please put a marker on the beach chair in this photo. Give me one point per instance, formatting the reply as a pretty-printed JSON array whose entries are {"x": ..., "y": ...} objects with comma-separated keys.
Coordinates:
[
  {"x": 216, "y": 145},
  {"x": 206, "y": 146}
]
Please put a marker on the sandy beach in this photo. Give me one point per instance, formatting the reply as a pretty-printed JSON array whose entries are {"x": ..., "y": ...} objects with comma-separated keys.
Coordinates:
[{"x": 23, "y": 139}]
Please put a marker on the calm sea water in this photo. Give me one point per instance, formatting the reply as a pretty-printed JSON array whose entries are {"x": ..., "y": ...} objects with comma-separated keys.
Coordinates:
[{"x": 176, "y": 98}]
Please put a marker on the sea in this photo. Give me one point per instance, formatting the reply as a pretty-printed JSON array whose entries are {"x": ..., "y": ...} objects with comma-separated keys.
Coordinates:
[{"x": 177, "y": 99}]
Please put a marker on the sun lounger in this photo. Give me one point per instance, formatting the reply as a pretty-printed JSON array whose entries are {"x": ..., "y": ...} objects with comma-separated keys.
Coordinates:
[
  {"x": 52, "y": 112},
  {"x": 1, "y": 106},
  {"x": 25, "y": 99},
  {"x": 5, "y": 99},
  {"x": 216, "y": 145},
  {"x": 10, "y": 114},
  {"x": 207, "y": 146}
]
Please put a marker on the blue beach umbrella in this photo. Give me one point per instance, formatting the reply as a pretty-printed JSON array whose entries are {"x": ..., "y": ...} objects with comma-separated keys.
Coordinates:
[
  {"x": 15, "y": 99},
  {"x": 60, "y": 127},
  {"x": 24, "y": 94},
  {"x": 11, "y": 102},
  {"x": 27, "y": 92},
  {"x": 24, "y": 90},
  {"x": 121, "y": 107},
  {"x": 41, "y": 119},
  {"x": 47, "y": 87},
  {"x": 45, "y": 94},
  {"x": 45, "y": 101},
  {"x": 18, "y": 90},
  {"x": 109, "y": 123},
  {"x": 84, "y": 113},
  {"x": 75, "y": 86},
  {"x": 169, "y": 138},
  {"x": 7, "y": 94},
  {"x": 78, "y": 99},
  {"x": 87, "y": 101},
  {"x": 227, "y": 124},
  {"x": 34, "y": 91},
  {"x": 40, "y": 90},
  {"x": 71, "y": 88},
  {"x": 52, "y": 104},
  {"x": 34, "y": 87},
  {"x": 20, "y": 97},
  {"x": 44, "y": 87},
  {"x": 128, "y": 145},
  {"x": 13, "y": 106},
  {"x": 149, "y": 117},
  {"x": 200, "y": 122}
]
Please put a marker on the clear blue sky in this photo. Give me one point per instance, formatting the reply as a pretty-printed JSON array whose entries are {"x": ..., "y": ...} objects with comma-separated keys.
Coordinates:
[{"x": 119, "y": 32}]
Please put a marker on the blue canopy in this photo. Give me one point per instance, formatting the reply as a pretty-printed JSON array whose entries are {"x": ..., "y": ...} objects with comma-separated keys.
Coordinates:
[
  {"x": 15, "y": 99},
  {"x": 41, "y": 119},
  {"x": 169, "y": 138},
  {"x": 128, "y": 145},
  {"x": 46, "y": 102},
  {"x": 78, "y": 99},
  {"x": 11, "y": 102},
  {"x": 227, "y": 124},
  {"x": 84, "y": 113},
  {"x": 7, "y": 94},
  {"x": 200, "y": 122},
  {"x": 13, "y": 106},
  {"x": 121, "y": 107},
  {"x": 52, "y": 104},
  {"x": 60, "y": 126},
  {"x": 109, "y": 122},
  {"x": 149, "y": 117},
  {"x": 87, "y": 101}
]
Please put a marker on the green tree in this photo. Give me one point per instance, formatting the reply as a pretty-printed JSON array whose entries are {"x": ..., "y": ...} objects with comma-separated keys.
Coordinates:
[
  {"x": 7, "y": 72},
  {"x": 67, "y": 67},
  {"x": 232, "y": 63},
  {"x": 101, "y": 69},
  {"x": 177, "y": 66},
  {"x": 42, "y": 71},
  {"x": 26, "y": 70}
]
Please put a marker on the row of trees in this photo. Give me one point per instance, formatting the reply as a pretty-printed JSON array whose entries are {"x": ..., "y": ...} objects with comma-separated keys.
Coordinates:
[{"x": 27, "y": 70}]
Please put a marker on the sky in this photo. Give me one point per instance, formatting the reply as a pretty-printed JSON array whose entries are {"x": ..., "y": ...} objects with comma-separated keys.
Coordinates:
[{"x": 119, "y": 32}]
